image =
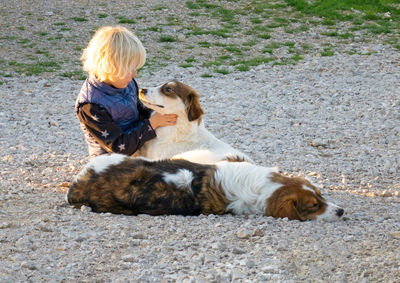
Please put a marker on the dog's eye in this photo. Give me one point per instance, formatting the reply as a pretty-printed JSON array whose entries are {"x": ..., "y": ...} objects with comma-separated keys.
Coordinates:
[
  {"x": 168, "y": 89},
  {"x": 315, "y": 206}
]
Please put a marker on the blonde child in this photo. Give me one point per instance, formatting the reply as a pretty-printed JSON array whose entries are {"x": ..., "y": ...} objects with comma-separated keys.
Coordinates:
[{"x": 111, "y": 116}]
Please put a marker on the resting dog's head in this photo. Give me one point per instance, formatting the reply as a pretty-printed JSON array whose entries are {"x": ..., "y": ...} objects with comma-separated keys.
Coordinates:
[
  {"x": 173, "y": 97},
  {"x": 298, "y": 199}
]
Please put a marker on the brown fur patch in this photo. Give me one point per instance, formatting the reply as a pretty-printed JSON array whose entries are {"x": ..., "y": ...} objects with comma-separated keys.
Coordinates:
[
  {"x": 291, "y": 200},
  {"x": 189, "y": 96},
  {"x": 234, "y": 159},
  {"x": 137, "y": 186}
]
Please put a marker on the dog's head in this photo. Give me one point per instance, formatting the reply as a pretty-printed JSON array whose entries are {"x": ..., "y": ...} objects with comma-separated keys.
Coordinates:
[
  {"x": 173, "y": 97},
  {"x": 298, "y": 199}
]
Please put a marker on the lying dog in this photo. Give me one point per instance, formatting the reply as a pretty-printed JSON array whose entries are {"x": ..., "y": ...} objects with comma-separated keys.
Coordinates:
[
  {"x": 127, "y": 185},
  {"x": 188, "y": 139}
]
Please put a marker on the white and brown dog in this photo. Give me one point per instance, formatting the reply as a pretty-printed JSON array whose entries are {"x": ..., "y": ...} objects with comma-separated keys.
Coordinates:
[
  {"x": 188, "y": 139},
  {"x": 127, "y": 185}
]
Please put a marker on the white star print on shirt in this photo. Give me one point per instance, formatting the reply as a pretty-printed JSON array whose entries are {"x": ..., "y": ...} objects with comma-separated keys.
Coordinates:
[
  {"x": 121, "y": 147},
  {"x": 150, "y": 128},
  {"x": 105, "y": 133},
  {"x": 140, "y": 137}
]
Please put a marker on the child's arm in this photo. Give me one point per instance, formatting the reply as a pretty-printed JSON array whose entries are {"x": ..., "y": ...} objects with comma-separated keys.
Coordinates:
[{"x": 109, "y": 135}]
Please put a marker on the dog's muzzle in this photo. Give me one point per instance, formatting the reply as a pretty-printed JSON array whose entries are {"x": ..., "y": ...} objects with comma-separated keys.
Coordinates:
[{"x": 142, "y": 97}]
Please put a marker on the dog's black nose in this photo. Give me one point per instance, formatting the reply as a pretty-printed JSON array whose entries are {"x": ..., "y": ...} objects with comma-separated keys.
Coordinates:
[
  {"x": 143, "y": 90},
  {"x": 339, "y": 212}
]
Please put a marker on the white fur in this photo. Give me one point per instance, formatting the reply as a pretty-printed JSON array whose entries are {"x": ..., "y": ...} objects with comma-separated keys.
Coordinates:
[
  {"x": 187, "y": 139},
  {"x": 183, "y": 178},
  {"x": 246, "y": 186},
  {"x": 101, "y": 163},
  {"x": 330, "y": 213}
]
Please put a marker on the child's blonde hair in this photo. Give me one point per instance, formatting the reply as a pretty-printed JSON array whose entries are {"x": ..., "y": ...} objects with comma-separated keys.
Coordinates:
[{"x": 113, "y": 52}]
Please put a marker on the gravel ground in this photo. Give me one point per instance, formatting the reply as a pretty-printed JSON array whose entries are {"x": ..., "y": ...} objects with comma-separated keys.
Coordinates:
[{"x": 333, "y": 119}]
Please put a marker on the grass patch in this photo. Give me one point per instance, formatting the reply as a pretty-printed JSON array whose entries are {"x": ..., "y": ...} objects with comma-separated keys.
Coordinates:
[
  {"x": 34, "y": 69},
  {"x": 190, "y": 60},
  {"x": 327, "y": 52},
  {"x": 204, "y": 44},
  {"x": 264, "y": 36},
  {"x": 173, "y": 21},
  {"x": 357, "y": 12},
  {"x": 43, "y": 52},
  {"x": 298, "y": 29},
  {"x": 269, "y": 48},
  {"x": 79, "y": 19},
  {"x": 191, "y": 5},
  {"x": 123, "y": 20},
  {"x": 160, "y": 8},
  {"x": 244, "y": 65},
  {"x": 23, "y": 41},
  {"x": 154, "y": 29},
  {"x": 167, "y": 38},
  {"x": 333, "y": 9},
  {"x": 223, "y": 32},
  {"x": 76, "y": 75},
  {"x": 222, "y": 71},
  {"x": 186, "y": 65}
]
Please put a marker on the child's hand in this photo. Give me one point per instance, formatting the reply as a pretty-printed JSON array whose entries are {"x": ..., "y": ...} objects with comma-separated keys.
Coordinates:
[{"x": 160, "y": 120}]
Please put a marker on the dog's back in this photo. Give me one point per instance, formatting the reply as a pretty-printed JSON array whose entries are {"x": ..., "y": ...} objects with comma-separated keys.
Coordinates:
[{"x": 135, "y": 186}]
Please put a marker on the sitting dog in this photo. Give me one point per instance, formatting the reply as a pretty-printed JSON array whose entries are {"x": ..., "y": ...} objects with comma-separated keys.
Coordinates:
[
  {"x": 127, "y": 185},
  {"x": 188, "y": 139}
]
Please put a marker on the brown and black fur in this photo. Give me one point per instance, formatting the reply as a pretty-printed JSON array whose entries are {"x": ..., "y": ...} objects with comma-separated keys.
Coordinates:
[
  {"x": 188, "y": 95},
  {"x": 137, "y": 186},
  {"x": 292, "y": 202}
]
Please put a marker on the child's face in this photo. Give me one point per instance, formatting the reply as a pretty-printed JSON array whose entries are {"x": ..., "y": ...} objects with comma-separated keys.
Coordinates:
[{"x": 121, "y": 82}]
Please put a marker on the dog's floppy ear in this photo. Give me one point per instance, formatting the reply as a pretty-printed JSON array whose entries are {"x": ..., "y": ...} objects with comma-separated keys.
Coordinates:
[
  {"x": 193, "y": 107},
  {"x": 287, "y": 208}
]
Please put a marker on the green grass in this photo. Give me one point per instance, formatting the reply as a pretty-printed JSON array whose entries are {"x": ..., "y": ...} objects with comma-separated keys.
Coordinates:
[
  {"x": 241, "y": 34},
  {"x": 222, "y": 71},
  {"x": 244, "y": 65},
  {"x": 44, "y": 52},
  {"x": 124, "y": 20},
  {"x": 222, "y": 32},
  {"x": 327, "y": 52},
  {"x": 167, "y": 38},
  {"x": 77, "y": 75},
  {"x": 154, "y": 29},
  {"x": 79, "y": 19},
  {"x": 160, "y": 8},
  {"x": 346, "y": 10},
  {"x": 204, "y": 44},
  {"x": 190, "y": 60},
  {"x": 31, "y": 69},
  {"x": 186, "y": 65},
  {"x": 332, "y": 9}
]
